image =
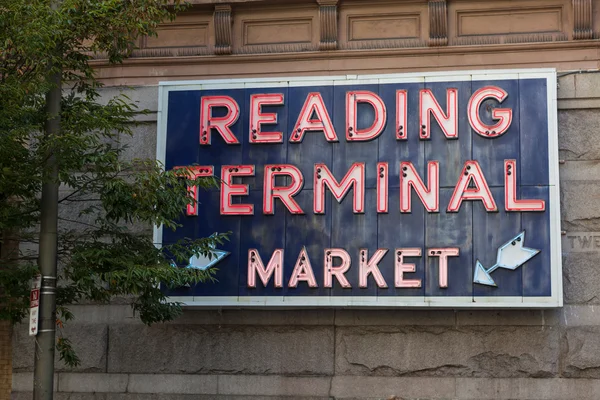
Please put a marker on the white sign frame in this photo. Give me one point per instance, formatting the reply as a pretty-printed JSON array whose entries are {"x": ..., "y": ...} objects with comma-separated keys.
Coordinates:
[{"x": 554, "y": 300}]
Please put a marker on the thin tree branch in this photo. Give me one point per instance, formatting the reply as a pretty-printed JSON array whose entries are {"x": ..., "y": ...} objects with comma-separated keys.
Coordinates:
[{"x": 78, "y": 222}]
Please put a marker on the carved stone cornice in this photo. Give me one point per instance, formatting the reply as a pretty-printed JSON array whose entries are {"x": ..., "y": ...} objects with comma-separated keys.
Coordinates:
[
  {"x": 222, "y": 23},
  {"x": 566, "y": 55},
  {"x": 582, "y": 19},
  {"x": 328, "y": 24},
  {"x": 438, "y": 23}
]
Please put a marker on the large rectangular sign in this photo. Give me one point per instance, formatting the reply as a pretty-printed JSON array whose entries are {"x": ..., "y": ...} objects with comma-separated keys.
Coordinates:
[{"x": 437, "y": 189}]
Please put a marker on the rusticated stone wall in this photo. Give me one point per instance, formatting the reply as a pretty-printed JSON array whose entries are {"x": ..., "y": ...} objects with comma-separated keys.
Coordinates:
[{"x": 345, "y": 354}]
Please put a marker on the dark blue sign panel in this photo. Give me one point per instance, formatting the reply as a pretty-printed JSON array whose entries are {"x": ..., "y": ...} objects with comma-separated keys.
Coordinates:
[{"x": 390, "y": 190}]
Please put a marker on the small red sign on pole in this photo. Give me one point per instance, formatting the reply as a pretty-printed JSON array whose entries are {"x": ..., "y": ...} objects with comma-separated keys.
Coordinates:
[{"x": 34, "y": 305}]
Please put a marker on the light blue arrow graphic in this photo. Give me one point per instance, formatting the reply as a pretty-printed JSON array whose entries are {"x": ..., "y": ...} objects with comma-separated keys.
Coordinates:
[
  {"x": 511, "y": 255},
  {"x": 482, "y": 276},
  {"x": 203, "y": 262}
]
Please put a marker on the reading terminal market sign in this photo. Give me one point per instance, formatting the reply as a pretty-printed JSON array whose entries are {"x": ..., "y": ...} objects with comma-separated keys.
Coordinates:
[{"x": 437, "y": 189}]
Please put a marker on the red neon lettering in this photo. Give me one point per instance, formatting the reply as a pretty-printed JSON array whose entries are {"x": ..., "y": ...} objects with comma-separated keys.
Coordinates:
[
  {"x": 303, "y": 271},
  {"x": 229, "y": 189},
  {"x": 274, "y": 267},
  {"x": 443, "y": 254},
  {"x": 382, "y": 187},
  {"x": 448, "y": 121},
  {"x": 284, "y": 193},
  {"x": 354, "y": 177},
  {"x": 371, "y": 266},
  {"x": 401, "y": 114},
  {"x": 409, "y": 177},
  {"x": 314, "y": 104},
  {"x": 352, "y": 131},
  {"x": 510, "y": 191},
  {"x": 193, "y": 172},
  {"x": 503, "y": 115},
  {"x": 401, "y": 268},
  {"x": 258, "y": 118},
  {"x": 338, "y": 271},
  {"x": 471, "y": 172},
  {"x": 221, "y": 124}
]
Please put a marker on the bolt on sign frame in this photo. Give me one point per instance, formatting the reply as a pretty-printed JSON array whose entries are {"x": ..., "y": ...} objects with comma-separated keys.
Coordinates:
[{"x": 397, "y": 190}]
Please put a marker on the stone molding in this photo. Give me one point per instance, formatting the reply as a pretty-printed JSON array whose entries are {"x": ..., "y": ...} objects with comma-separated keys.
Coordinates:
[
  {"x": 438, "y": 23},
  {"x": 582, "y": 19},
  {"x": 222, "y": 25},
  {"x": 565, "y": 56}
]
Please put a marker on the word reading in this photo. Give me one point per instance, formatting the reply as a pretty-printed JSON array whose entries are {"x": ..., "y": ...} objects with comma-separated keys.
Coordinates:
[{"x": 315, "y": 116}]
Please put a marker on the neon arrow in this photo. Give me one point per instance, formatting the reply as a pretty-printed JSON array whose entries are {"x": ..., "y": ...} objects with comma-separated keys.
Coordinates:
[
  {"x": 203, "y": 263},
  {"x": 511, "y": 255}
]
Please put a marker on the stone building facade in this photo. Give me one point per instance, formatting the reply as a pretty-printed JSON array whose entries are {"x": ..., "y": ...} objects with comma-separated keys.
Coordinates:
[{"x": 360, "y": 353}]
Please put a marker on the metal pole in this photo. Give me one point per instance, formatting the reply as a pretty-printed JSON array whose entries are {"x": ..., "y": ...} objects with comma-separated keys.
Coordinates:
[{"x": 43, "y": 378}]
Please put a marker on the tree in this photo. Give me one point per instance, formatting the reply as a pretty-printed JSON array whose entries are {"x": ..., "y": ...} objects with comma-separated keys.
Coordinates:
[{"x": 101, "y": 253}]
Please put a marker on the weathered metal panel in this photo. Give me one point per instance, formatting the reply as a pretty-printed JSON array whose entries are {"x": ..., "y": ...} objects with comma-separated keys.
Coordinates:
[
  {"x": 406, "y": 230},
  {"x": 505, "y": 146},
  {"x": 536, "y": 278},
  {"x": 256, "y": 155},
  {"x": 456, "y": 242},
  {"x": 411, "y": 149},
  {"x": 450, "y": 230},
  {"x": 490, "y": 231},
  {"x": 534, "y": 144},
  {"x": 454, "y": 152}
]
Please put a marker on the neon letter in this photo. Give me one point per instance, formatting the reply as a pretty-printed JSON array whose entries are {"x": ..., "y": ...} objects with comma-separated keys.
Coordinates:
[
  {"x": 352, "y": 131},
  {"x": 274, "y": 267},
  {"x": 371, "y": 267},
  {"x": 472, "y": 172},
  {"x": 228, "y": 189},
  {"x": 284, "y": 193},
  {"x": 443, "y": 254},
  {"x": 510, "y": 192},
  {"x": 221, "y": 124},
  {"x": 382, "y": 187},
  {"x": 258, "y": 118},
  {"x": 303, "y": 271},
  {"x": 429, "y": 196},
  {"x": 448, "y": 122},
  {"x": 504, "y": 115},
  {"x": 314, "y": 104},
  {"x": 355, "y": 176},
  {"x": 401, "y": 114},
  {"x": 402, "y": 267},
  {"x": 337, "y": 271},
  {"x": 193, "y": 172}
]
